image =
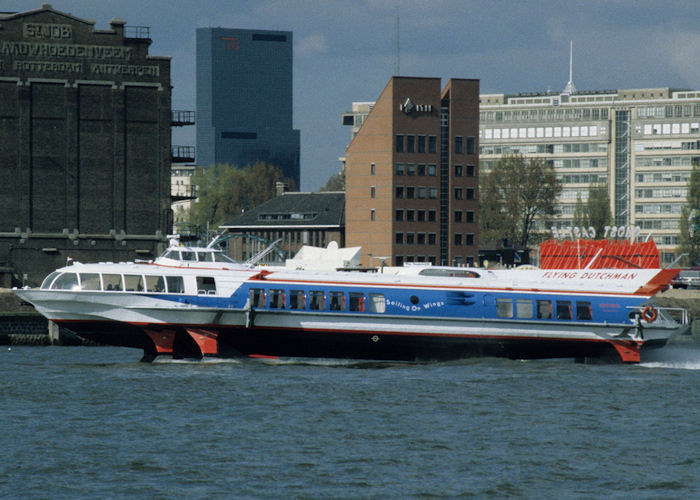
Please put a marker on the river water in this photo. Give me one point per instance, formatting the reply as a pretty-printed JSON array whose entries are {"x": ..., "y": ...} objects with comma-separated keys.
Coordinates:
[{"x": 90, "y": 422}]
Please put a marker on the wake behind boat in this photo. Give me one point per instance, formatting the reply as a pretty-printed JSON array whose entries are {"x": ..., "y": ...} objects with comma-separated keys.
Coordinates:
[{"x": 195, "y": 302}]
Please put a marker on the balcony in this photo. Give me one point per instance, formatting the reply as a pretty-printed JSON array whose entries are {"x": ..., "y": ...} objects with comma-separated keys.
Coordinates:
[
  {"x": 182, "y": 154},
  {"x": 182, "y": 118}
]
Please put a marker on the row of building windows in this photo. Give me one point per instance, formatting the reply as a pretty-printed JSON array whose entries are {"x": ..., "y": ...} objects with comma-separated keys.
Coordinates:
[
  {"x": 545, "y": 115},
  {"x": 583, "y": 178},
  {"x": 417, "y": 144},
  {"x": 667, "y": 161},
  {"x": 431, "y": 170},
  {"x": 514, "y": 149},
  {"x": 542, "y": 132},
  {"x": 662, "y": 193},
  {"x": 410, "y": 192},
  {"x": 658, "y": 223},
  {"x": 657, "y": 177},
  {"x": 668, "y": 128},
  {"x": 431, "y": 239},
  {"x": 581, "y": 163},
  {"x": 665, "y": 145},
  {"x": 415, "y": 215},
  {"x": 669, "y": 111},
  {"x": 658, "y": 208}
]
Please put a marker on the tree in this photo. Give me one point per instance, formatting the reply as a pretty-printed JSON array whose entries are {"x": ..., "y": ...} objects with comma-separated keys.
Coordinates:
[
  {"x": 689, "y": 238},
  {"x": 225, "y": 191},
  {"x": 335, "y": 183},
  {"x": 599, "y": 214},
  {"x": 580, "y": 215},
  {"x": 514, "y": 195}
]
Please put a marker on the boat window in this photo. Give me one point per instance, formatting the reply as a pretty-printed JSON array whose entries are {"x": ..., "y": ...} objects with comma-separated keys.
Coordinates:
[
  {"x": 297, "y": 299},
  {"x": 317, "y": 301},
  {"x": 206, "y": 285},
  {"x": 187, "y": 255},
  {"x": 544, "y": 309},
  {"x": 112, "y": 282},
  {"x": 257, "y": 297},
  {"x": 47, "y": 281},
  {"x": 337, "y": 301},
  {"x": 377, "y": 304},
  {"x": 90, "y": 281},
  {"x": 66, "y": 281},
  {"x": 172, "y": 254},
  {"x": 524, "y": 308},
  {"x": 220, "y": 257},
  {"x": 564, "y": 309},
  {"x": 155, "y": 284},
  {"x": 583, "y": 311},
  {"x": 504, "y": 308},
  {"x": 175, "y": 284},
  {"x": 133, "y": 282},
  {"x": 205, "y": 257},
  {"x": 277, "y": 299},
  {"x": 357, "y": 301}
]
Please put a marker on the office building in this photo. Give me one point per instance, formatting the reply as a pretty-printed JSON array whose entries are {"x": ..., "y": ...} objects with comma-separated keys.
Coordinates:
[
  {"x": 641, "y": 143},
  {"x": 411, "y": 174},
  {"x": 244, "y": 99},
  {"x": 85, "y": 156}
]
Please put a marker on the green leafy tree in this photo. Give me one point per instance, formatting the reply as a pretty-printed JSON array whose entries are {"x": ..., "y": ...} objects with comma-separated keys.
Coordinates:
[
  {"x": 514, "y": 195},
  {"x": 225, "y": 191},
  {"x": 335, "y": 183},
  {"x": 599, "y": 214},
  {"x": 689, "y": 238},
  {"x": 580, "y": 214}
]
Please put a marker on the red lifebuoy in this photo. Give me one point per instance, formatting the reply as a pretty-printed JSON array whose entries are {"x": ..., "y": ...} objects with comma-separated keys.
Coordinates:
[{"x": 649, "y": 314}]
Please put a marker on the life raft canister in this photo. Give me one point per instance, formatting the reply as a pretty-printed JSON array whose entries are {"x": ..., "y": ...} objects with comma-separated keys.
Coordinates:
[{"x": 649, "y": 314}]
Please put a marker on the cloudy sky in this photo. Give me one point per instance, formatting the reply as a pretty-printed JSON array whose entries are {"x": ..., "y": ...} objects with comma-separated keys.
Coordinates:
[{"x": 346, "y": 50}]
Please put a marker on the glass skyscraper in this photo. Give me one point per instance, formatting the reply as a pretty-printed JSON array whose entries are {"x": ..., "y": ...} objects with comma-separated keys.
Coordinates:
[{"x": 244, "y": 99}]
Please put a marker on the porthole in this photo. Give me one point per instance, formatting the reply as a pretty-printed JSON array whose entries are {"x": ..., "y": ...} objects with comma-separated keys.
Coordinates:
[{"x": 414, "y": 299}]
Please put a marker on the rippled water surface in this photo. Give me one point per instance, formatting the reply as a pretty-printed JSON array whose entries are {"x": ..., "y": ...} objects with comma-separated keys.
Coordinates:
[{"x": 90, "y": 422}]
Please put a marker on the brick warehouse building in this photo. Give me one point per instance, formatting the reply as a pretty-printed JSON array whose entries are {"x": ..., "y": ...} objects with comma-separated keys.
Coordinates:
[
  {"x": 85, "y": 151},
  {"x": 412, "y": 174}
]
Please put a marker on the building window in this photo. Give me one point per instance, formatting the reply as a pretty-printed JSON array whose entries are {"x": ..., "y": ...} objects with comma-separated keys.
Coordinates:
[
  {"x": 398, "y": 260},
  {"x": 470, "y": 170},
  {"x": 432, "y": 237},
  {"x": 432, "y": 193},
  {"x": 410, "y": 192},
  {"x": 398, "y": 238},
  {"x": 458, "y": 238},
  {"x": 470, "y": 145},
  {"x": 469, "y": 239},
  {"x": 432, "y": 144},
  {"x": 410, "y": 215},
  {"x": 371, "y": 192},
  {"x": 410, "y": 238},
  {"x": 470, "y": 216},
  {"x": 470, "y": 193},
  {"x": 399, "y": 169},
  {"x": 421, "y": 238},
  {"x": 421, "y": 144},
  {"x": 458, "y": 216},
  {"x": 421, "y": 193},
  {"x": 432, "y": 170},
  {"x": 459, "y": 171},
  {"x": 410, "y": 169},
  {"x": 421, "y": 215},
  {"x": 399, "y": 143},
  {"x": 458, "y": 144},
  {"x": 399, "y": 192},
  {"x": 371, "y": 214},
  {"x": 372, "y": 169},
  {"x": 458, "y": 193},
  {"x": 410, "y": 143},
  {"x": 398, "y": 215},
  {"x": 432, "y": 214},
  {"x": 432, "y": 260},
  {"x": 421, "y": 169}
]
